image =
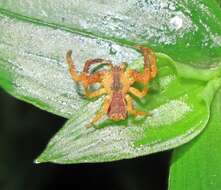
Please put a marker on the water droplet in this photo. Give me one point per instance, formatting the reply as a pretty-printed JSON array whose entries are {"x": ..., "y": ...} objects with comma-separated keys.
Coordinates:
[{"x": 176, "y": 22}]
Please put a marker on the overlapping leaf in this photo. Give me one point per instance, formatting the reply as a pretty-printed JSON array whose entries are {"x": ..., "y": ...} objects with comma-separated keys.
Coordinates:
[{"x": 178, "y": 28}]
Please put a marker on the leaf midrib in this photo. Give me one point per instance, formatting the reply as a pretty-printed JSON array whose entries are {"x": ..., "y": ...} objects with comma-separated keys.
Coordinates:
[{"x": 73, "y": 30}]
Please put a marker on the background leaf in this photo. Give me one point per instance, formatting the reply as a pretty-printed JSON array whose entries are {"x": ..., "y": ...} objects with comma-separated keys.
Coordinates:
[
  {"x": 196, "y": 165},
  {"x": 188, "y": 31}
]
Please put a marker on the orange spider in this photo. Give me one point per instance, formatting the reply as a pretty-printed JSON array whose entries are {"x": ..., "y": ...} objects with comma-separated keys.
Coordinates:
[{"x": 116, "y": 84}]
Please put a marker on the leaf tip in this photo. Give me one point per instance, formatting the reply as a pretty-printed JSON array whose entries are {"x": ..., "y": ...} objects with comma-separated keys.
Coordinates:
[{"x": 39, "y": 160}]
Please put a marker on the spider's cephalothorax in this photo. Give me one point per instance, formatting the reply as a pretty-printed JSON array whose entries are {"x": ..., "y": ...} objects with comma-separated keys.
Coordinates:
[
  {"x": 116, "y": 83},
  {"x": 117, "y": 108}
]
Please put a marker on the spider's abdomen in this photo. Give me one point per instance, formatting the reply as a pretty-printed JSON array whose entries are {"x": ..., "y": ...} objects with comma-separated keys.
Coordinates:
[{"x": 117, "y": 109}]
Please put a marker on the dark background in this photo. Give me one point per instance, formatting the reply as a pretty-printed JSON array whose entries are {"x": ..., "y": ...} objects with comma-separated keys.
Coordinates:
[{"x": 25, "y": 131}]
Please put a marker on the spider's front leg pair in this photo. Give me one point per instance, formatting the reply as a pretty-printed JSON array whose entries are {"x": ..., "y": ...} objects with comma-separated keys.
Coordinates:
[
  {"x": 150, "y": 71},
  {"x": 85, "y": 77}
]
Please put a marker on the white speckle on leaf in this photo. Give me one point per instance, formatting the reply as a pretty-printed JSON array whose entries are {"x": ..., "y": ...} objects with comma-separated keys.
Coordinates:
[
  {"x": 216, "y": 41},
  {"x": 168, "y": 113},
  {"x": 165, "y": 81}
]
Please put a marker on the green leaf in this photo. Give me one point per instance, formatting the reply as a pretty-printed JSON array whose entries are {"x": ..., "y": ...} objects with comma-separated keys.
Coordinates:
[
  {"x": 33, "y": 68},
  {"x": 188, "y": 31},
  {"x": 197, "y": 164},
  {"x": 180, "y": 111},
  {"x": 35, "y": 36}
]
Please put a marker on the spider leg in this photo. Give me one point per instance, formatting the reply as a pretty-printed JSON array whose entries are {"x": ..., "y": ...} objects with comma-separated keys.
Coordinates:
[
  {"x": 96, "y": 93},
  {"x": 101, "y": 113},
  {"x": 130, "y": 108},
  {"x": 150, "y": 67},
  {"x": 95, "y": 61},
  {"x": 149, "y": 59},
  {"x": 75, "y": 76},
  {"x": 138, "y": 93},
  {"x": 90, "y": 78},
  {"x": 86, "y": 78}
]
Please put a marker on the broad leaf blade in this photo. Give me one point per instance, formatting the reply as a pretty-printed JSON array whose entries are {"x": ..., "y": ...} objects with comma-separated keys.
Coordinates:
[
  {"x": 33, "y": 67},
  {"x": 36, "y": 40},
  {"x": 197, "y": 164},
  {"x": 180, "y": 111},
  {"x": 188, "y": 31}
]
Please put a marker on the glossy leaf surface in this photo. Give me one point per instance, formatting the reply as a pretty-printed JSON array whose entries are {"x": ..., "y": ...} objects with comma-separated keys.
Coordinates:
[{"x": 197, "y": 164}]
